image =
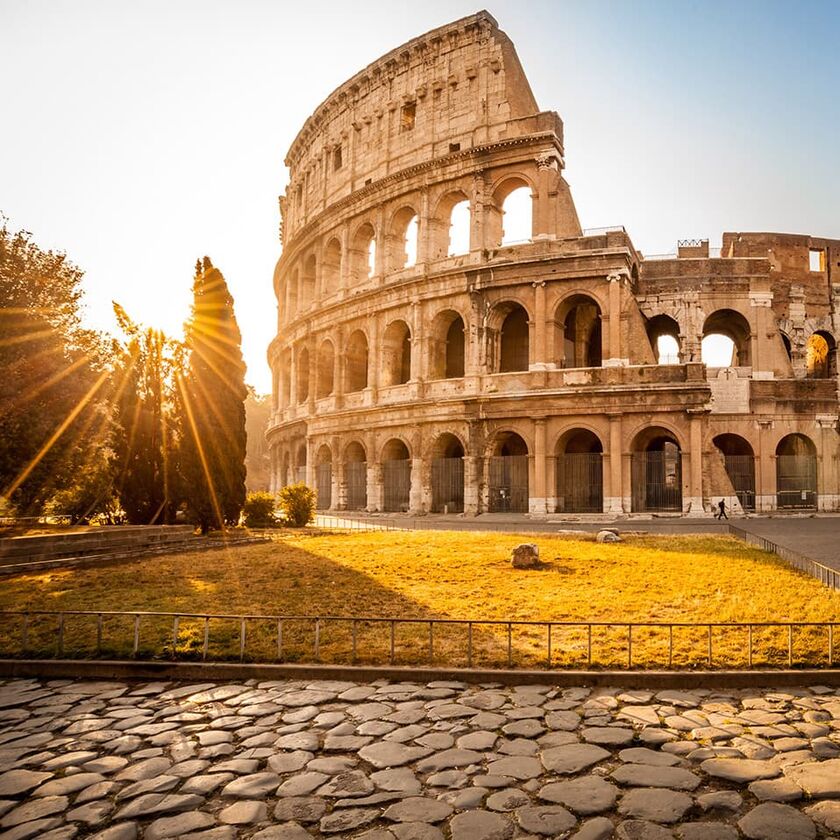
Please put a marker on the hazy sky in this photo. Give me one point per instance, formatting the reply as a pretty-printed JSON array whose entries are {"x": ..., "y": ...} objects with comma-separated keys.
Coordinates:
[{"x": 140, "y": 135}]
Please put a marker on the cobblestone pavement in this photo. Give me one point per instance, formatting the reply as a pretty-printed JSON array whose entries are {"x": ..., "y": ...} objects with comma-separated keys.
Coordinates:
[{"x": 398, "y": 761}]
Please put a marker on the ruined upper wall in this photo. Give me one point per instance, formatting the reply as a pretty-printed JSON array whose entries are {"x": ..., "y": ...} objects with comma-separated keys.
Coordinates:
[{"x": 452, "y": 89}]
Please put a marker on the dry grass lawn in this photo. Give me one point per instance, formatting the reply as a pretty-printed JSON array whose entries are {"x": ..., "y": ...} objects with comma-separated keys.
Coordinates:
[{"x": 431, "y": 574}]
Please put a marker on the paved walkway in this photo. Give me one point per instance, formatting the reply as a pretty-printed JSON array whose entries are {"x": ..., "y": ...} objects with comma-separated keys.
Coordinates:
[{"x": 291, "y": 761}]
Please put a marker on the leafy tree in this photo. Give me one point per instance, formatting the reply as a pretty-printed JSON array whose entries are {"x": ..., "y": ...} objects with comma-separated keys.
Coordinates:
[
  {"x": 212, "y": 394},
  {"x": 53, "y": 378},
  {"x": 297, "y": 504},
  {"x": 145, "y": 437}
]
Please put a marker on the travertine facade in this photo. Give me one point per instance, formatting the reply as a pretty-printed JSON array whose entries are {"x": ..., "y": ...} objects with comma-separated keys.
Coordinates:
[{"x": 424, "y": 361}]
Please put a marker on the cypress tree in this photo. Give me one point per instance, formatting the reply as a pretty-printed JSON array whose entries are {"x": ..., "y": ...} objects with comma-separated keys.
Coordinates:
[{"x": 212, "y": 395}]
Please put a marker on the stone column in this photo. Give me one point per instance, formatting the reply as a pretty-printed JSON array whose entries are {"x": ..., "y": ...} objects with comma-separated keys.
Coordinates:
[
  {"x": 374, "y": 361},
  {"x": 536, "y": 503},
  {"x": 542, "y": 221},
  {"x": 415, "y": 494},
  {"x": 374, "y": 486},
  {"x": 612, "y": 353},
  {"x": 472, "y": 479},
  {"x": 695, "y": 483},
  {"x": 539, "y": 353},
  {"x": 765, "y": 468},
  {"x": 613, "y": 495},
  {"x": 828, "y": 484}
]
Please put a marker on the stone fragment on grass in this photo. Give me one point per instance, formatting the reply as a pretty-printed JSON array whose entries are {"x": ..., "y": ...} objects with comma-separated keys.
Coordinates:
[{"x": 525, "y": 556}]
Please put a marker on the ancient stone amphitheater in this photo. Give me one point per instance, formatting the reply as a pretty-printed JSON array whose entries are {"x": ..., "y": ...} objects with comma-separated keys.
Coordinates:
[{"x": 438, "y": 352}]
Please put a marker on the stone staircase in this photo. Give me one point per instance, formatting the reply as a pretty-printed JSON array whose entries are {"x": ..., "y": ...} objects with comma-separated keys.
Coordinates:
[{"x": 109, "y": 544}]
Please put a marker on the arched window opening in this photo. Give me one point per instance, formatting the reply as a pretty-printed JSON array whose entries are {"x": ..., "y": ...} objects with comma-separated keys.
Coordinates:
[
  {"x": 796, "y": 472},
  {"x": 396, "y": 476},
  {"x": 664, "y": 336},
  {"x": 326, "y": 370},
  {"x": 821, "y": 356},
  {"x": 402, "y": 242},
  {"x": 455, "y": 349},
  {"x": 300, "y": 464},
  {"x": 580, "y": 482},
  {"x": 448, "y": 475},
  {"x": 514, "y": 350},
  {"x": 516, "y": 217},
  {"x": 446, "y": 346},
  {"x": 508, "y": 474},
  {"x": 410, "y": 242},
  {"x": 656, "y": 472},
  {"x": 286, "y": 380},
  {"x": 459, "y": 229},
  {"x": 726, "y": 340},
  {"x": 787, "y": 345},
  {"x": 303, "y": 375},
  {"x": 307, "y": 294},
  {"x": 331, "y": 267},
  {"x": 355, "y": 476},
  {"x": 739, "y": 462},
  {"x": 363, "y": 253},
  {"x": 581, "y": 331},
  {"x": 396, "y": 354},
  {"x": 356, "y": 363},
  {"x": 323, "y": 478}
]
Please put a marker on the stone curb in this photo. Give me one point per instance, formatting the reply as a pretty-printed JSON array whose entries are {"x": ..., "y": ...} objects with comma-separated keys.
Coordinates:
[{"x": 225, "y": 671}]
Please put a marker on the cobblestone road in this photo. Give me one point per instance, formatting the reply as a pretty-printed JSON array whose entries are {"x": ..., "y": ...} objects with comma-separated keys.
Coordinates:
[{"x": 380, "y": 761}]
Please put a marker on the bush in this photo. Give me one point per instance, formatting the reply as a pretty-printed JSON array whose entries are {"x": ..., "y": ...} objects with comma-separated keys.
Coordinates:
[
  {"x": 297, "y": 504},
  {"x": 259, "y": 510}
]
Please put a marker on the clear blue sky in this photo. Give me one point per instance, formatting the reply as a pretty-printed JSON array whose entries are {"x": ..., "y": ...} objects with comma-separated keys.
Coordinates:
[{"x": 139, "y": 135}]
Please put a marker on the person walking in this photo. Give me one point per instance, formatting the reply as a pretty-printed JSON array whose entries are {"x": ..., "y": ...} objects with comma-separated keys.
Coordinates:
[{"x": 721, "y": 514}]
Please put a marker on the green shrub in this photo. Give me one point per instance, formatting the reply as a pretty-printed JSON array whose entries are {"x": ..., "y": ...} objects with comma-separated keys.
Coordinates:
[
  {"x": 259, "y": 510},
  {"x": 297, "y": 504}
]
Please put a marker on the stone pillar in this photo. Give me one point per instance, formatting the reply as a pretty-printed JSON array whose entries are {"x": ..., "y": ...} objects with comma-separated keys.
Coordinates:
[
  {"x": 374, "y": 360},
  {"x": 380, "y": 256},
  {"x": 472, "y": 480},
  {"x": 765, "y": 469},
  {"x": 313, "y": 374},
  {"x": 760, "y": 303},
  {"x": 539, "y": 354},
  {"x": 415, "y": 494},
  {"x": 339, "y": 501},
  {"x": 542, "y": 219},
  {"x": 537, "y": 500},
  {"x": 828, "y": 483},
  {"x": 613, "y": 496},
  {"x": 374, "y": 486},
  {"x": 612, "y": 352},
  {"x": 695, "y": 483}
]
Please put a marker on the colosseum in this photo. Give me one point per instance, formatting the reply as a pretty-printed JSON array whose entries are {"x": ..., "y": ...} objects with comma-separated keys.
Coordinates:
[{"x": 437, "y": 352}]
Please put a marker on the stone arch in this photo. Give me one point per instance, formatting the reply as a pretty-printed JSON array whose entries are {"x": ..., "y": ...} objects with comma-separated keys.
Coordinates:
[
  {"x": 511, "y": 338},
  {"x": 447, "y": 345},
  {"x": 821, "y": 355},
  {"x": 395, "y": 457},
  {"x": 363, "y": 253},
  {"x": 356, "y": 362},
  {"x": 403, "y": 239},
  {"x": 663, "y": 332},
  {"x": 796, "y": 472},
  {"x": 396, "y": 354},
  {"x": 513, "y": 196},
  {"x": 302, "y": 379},
  {"x": 579, "y": 471},
  {"x": 726, "y": 330},
  {"x": 656, "y": 470},
  {"x": 325, "y": 369},
  {"x": 292, "y": 295},
  {"x": 307, "y": 282},
  {"x": 331, "y": 267},
  {"x": 452, "y": 222},
  {"x": 447, "y": 473},
  {"x": 578, "y": 339},
  {"x": 507, "y": 473},
  {"x": 739, "y": 463}
]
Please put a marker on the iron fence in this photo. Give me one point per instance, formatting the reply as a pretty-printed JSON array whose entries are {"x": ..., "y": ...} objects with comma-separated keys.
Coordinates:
[
  {"x": 580, "y": 483},
  {"x": 741, "y": 472},
  {"x": 796, "y": 481},
  {"x": 825, "y": 574},
  {"x": 448, "y": 485},
  {"x": 455, "y": 643},
  {"x": 508, "y": 483},
  {"x": 396, "y": 485},
  {"x": 657, "y": 480},
  {"x": 323, "y": 486},
  {"x": 355, "y": 479}
]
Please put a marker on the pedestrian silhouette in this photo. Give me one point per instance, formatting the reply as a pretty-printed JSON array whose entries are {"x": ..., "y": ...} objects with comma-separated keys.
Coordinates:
[{"x": 721, "y": 514}]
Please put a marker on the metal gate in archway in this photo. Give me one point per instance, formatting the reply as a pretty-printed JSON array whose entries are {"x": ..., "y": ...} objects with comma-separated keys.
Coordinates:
[
  {"x": 396, "y": 485},
  {"x": 448, "y": 485},
  {"x": 657, "y": 480},
  {"x": 580, "y": 483},
  {"x": 355, "y": 479},
  {"x": 508, "y": 483},
  {"x": 741, "y": 472},
  {"x": 796, "y": 481},
  {"x": 323, "y": 486}
]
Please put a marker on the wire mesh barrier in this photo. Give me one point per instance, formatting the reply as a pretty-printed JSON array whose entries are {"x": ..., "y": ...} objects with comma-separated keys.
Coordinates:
[
  {"x": 796, "y": 481},
  {"x": 825, "y": 574},
  {"x": 355, "y": 479},
  {"x": 508, "y": 483},
  {"x": 580, "y": 485},
  {"x": 337, "y": 522},
  {"x": 452, "y": 643},
  {"x": 323, "y": 486},
  {"x": 657, "y": 480},
  {"x": 448, "y": 485},
  {"x": 396, "y": 485}
]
